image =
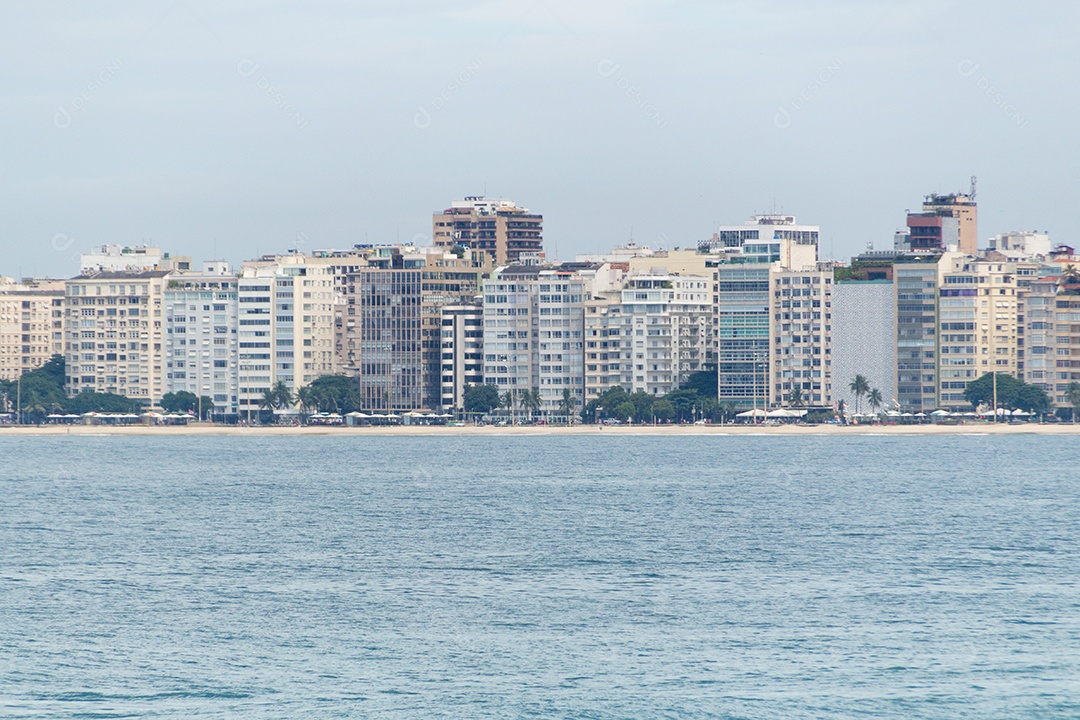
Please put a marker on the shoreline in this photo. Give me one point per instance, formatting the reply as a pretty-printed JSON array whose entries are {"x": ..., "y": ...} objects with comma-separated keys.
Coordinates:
[{"x": 542, "y": 430}]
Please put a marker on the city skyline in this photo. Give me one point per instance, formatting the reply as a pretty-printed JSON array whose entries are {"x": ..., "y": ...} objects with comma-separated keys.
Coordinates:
[{"x": 232, "y": 133}]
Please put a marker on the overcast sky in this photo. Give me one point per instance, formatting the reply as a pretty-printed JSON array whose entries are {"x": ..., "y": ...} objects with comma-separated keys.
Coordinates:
[{"x": 231, "y": 128}]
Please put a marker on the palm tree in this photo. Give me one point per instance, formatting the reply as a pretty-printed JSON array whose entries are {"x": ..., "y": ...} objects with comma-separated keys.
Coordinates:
[
  {"x": 567, "y": 405},
  {"x": 508, "y": 402},
  {"x": 1072, "y": 395},
  {"x": 875, "y": 399},
  {"x": 860, "y": 386},
  {"x": 268, "y": 401},
  {"x": 530, "y": 401},
  {"x": 795, "y": 398},
  {"x": 282, "y": 395},
  {"x": 306, "y": 397},
  {"x": 1071, "y": 275}
]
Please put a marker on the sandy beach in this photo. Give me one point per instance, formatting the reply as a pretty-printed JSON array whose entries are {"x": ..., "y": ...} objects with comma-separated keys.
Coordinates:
[{"x": 542, "y": 430}]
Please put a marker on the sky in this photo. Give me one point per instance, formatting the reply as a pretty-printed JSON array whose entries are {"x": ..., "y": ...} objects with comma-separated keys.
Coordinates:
[{"x": 233, "y": 128}]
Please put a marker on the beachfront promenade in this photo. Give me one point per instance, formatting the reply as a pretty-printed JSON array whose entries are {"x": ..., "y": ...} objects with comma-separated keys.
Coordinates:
[{"x": 979, "y": 428}]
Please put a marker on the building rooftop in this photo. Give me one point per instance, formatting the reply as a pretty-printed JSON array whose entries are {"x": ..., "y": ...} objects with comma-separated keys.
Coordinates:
[{"x": 122, "y": 275}]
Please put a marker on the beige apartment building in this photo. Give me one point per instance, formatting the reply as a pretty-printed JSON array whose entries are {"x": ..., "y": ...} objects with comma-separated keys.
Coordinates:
[
  {"x": 801, "y": 335},
  {"x": 31, "y": 324},
  {"x": 114, "y": 334},
  {"x": 285, "y": 325},
  {"x": 978, "y": 323},
  {"x": 505, "y": 232},
  {"x": 603, "y": 343}
]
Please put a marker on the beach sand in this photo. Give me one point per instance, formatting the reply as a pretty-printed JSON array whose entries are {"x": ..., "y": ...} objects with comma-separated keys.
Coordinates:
[{"x": 541, "y": 430}]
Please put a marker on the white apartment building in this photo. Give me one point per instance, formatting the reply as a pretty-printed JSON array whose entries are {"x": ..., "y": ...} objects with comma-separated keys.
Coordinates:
[
  {"x": 201, "y": 335},
  {"x": 667, "y": 330},
  {"x": 767, "y": 239},
  {"x": 120, "y": 258},
  {"x": 1020, "y": 244},
  {"x": 461, "y": 354},
  {"x": 285, "y": 325},
  {"x": 801, "y": 335},
  {"x": 114, "y": 330},
  {"x": 534, "y": 324},
  {"x": 1040, "y": 346},
  {"x": 31, "y": 324}
]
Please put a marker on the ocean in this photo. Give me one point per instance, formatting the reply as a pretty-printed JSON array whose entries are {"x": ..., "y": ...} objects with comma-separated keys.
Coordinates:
[{"x": 545, "y": 577}]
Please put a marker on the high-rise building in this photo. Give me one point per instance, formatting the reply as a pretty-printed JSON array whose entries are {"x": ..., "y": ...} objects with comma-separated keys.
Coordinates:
[
  {"x": 947, "y": 222},
  {"x": 390, "y": 318},
  {"x": 864, "y": 337},
  {"x": 930, "y": 232},
  {"x": 31, "y": 324},
  {"x": 1040, "y": 336},
  {"x": 121, "y": 258},
  {"x": 604, "y": 344},
  {"x": 201, "y": 342},
  {"x": 743, "y": 313},
  {"x": 916, "y": 284},
  {"x": 748, "y": 257},
  {"x": 978, "y": 323},
  {"x": 766, "y": 239},
  {"x": 667, "y": 330},
  {"x": 1066, "y": 366},
  {"x": 507, "y": 233},
  {"x": 114, "y": 329},
  {"x": 1021, "y": 244},
  {"x": 462, "y": 356},
  {"x": 534, "y": 326},
  {"x": 285, "y": 325},
  {"x": 801, "y": 335},
  {"x": 962, "y": 207}
]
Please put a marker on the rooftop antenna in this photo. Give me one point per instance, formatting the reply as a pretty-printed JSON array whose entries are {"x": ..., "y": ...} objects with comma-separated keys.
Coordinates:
[{"x": 973, "y": 180}]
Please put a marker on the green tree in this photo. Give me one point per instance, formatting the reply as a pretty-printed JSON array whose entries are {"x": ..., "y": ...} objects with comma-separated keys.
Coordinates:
[
  {"x": 1071, "y": 275},
  {"x": 86, "y": 402},
  {"x": 643, "y": 403},
  {"x": 330, "y": 393},
  {"x": 268, "y": 401},
  {"x": 860, "y": 386},
  {"x": 704, "y": 382},
  {"x": 875, "y": 400},
  {"x": 307, "y": 400},
  {"x": 663, "y": 410},
  {"x": 481, "y": 399},
  {"x": 981, "y": 391},
  {"x": 1072, "y": 395},
  {"x": 795, "y": 397},
  {"x": 184, "y": 402},
  {"x": 283, "y": 396},
  {"x": 625, "y": 411},
  {"x": 567, "y": 404},
  {"x": 532, "y": 401},
  {"x": 1032, "y": 399}
]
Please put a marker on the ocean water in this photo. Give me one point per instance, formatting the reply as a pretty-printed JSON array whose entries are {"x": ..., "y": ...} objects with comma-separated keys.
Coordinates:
[{"x": 552, "y": 577}]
